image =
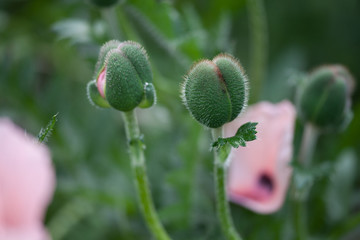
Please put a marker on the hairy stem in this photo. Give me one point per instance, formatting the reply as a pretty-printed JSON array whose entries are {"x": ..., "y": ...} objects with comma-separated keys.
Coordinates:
[
  {"x": 139, "y": 169},
  {"x": 222, "y": 204},
  {"x": 258, "y": 48}
]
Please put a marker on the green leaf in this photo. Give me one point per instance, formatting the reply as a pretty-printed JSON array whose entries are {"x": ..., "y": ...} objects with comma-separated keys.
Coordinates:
[
  {"x": 304, "y": 178},
  {"x": 338, "y": 195},
  {"x": 245, "y": 133},
  {"x": 45, "y": 133}
]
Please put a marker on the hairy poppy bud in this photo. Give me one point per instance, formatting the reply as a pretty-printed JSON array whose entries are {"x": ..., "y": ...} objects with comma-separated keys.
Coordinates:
[
  {"x": 325, "y": 97},
  {"x": 215, "y": 92},
  {"x": 124, "y": 77}
]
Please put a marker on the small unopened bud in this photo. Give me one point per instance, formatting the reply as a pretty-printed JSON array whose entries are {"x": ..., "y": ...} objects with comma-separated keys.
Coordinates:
[
  {"x": 124, "y": 77},
  {"x": 215, "y": 92},
  {"x": 325, "y": 97}
]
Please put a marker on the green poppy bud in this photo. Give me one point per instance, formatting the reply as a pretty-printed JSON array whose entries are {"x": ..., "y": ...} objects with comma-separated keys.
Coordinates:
[
  {"x": 103, "y": 3},
  {"x": 215, "y": 92},
  {"x": 124, "y": 77},
  {"x": 325, "y": 97}
]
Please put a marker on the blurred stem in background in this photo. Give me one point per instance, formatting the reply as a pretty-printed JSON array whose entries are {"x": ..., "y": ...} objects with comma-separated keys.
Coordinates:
[
  {"x": 109, "y": 14},
  {"x": 299, "y": 215},
  {"x": 136, "y": 147},
  {"x": 308, "y": 143},
  {"x": 68, "y": 216},
  {"x": 222, "y": 204},
  {"x": 258, "y": 48}
]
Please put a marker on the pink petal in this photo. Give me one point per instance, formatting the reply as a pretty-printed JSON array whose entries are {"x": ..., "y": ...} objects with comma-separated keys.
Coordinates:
[
  {"x": 26, "y": 182},
  {"x": 100, "y": 83},
  {"x": 259, "y": 174},
  {"x": 35, "y": 232}
]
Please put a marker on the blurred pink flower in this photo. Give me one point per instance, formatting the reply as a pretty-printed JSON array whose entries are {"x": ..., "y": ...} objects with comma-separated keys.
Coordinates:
[
  {"x": 26, "y": 184},
  {"x": 259, "y": 174}
]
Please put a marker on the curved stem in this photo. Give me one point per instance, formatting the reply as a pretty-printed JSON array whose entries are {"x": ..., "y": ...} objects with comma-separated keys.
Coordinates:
[
  {"x": 136, "y": 147},
  {"x": 308, "y": 143},
  {"x": 222, "y": 204},
  {"x": 259, "y": 42}
]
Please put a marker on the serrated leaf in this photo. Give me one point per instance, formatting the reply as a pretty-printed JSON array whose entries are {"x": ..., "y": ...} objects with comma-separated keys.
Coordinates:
[
  {"x": 45, "y": 133},
  {"x": 245, "y": 133}
]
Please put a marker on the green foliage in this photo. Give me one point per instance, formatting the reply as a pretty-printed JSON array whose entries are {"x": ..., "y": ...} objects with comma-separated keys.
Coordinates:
[
  {"x": 245, "y": 133},
  {"x": 44, "y": 70},
  {"x": 104, "y": 3},
  {"x": 305, "y": 177},
  {"x": 46, "y": 132},
  {"x": 338, "y": 194}
]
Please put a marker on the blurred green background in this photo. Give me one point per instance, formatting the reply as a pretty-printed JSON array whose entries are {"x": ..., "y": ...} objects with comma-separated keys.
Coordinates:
[{"x": 48, "y": 50}]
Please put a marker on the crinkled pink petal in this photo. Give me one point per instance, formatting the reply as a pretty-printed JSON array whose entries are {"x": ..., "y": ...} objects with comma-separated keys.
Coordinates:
[
  {"x": 259, "y": 174},
  {"x": 100, "y": 83},
  {"x": 26, "y": 183}
]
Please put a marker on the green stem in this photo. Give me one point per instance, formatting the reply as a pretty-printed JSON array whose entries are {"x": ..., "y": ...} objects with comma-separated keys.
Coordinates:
[
  {"x": 300, "y": 220},
  {"x": 222, "y": 204},
  {"x": 139, "y": 168},
  {"x": 258, "y": 50},
  {"x": 308, "y": 143}
]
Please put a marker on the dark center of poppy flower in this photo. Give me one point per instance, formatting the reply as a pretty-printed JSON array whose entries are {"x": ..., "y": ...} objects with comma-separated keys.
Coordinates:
[{"x": 266, "y": 182}]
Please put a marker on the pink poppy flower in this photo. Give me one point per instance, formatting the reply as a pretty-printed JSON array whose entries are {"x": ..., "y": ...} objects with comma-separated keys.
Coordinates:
[
  {"x": 259, "y": 174},
  {"x": 26, "y": 184}
]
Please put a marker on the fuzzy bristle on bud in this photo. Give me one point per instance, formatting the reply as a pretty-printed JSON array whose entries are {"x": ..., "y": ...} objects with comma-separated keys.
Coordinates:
[
  {"x": 123, "y": 76},
  {"x": 215, "y": 92},
  {"x": 112, "y": 44},
  {"x": 325, "y": 97}
]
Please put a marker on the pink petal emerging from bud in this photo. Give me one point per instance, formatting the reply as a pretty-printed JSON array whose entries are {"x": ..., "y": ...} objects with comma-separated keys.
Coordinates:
[
  {"x": 101, "y": 82},
  {"x": 26, "y": 184},
  {"x": 259, "y": 174}
]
